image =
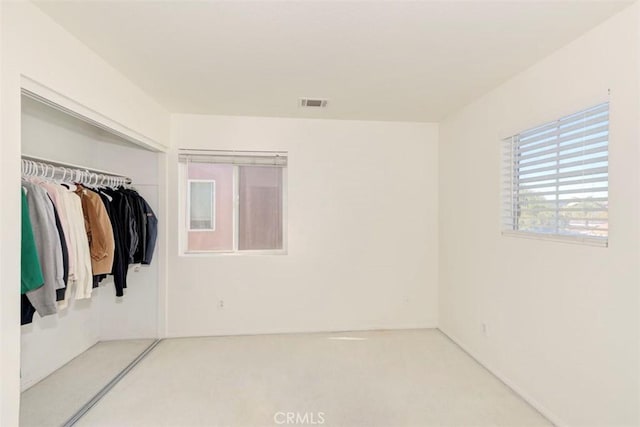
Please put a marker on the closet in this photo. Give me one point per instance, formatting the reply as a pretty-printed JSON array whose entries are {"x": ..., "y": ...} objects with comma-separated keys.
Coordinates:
[{"x": 67, "y": 358}]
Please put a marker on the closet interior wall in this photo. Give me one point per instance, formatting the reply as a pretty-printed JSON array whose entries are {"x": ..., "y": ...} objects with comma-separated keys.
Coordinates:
[{"x": 50, "y": 342}]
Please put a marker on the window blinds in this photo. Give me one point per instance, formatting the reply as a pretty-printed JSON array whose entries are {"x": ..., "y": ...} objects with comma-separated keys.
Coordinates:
[
  {"x": 556, "y": 177},
  {"x": 248, "y": 158}
]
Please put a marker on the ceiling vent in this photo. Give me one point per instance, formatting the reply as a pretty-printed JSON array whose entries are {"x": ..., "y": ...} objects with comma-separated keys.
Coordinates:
[{"x": 313, "y": 103}]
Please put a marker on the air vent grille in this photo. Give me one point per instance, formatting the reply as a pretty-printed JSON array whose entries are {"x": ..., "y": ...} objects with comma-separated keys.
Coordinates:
[{"x": 313, "y": 103}]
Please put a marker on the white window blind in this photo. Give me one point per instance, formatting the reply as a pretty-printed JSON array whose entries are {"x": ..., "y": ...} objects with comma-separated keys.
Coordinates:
[
  {"x": 255, "y": 158},
  {"x": 556, "y": 178}
]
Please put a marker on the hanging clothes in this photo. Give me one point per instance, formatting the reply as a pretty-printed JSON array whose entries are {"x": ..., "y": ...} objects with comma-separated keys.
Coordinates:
[
  {"x": 135, "y": 224},
  {"x": 65, "y": 255},
  {"x": 55, "y": 194},
  {"x": 81, "y": 277},
  {"x": 73, "y": 236},
  {"x": 135, "y": 232},
  {"x": 48, "y": 246},
  {"x": 30, "y": 271},
  {"x": 51, "y": 192},
  {"x": 99, "y": 231},
  {"x": 27, "y": 310},
  {"x": 151, "y": 232},
  {"x": 146, "y": 226},
  {"x": 119, "y": 213}
]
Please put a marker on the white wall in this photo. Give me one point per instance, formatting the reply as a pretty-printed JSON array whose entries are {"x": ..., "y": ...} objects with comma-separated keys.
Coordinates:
[
  {"x": 50, "y": 342},
  {"x": 34, "y": 46},
  {"x": 362, "y": 246},
  {"x": 9, "y": 332},
  {"x": 562, "y": 319},
  {"x": 49, "y": 55}
]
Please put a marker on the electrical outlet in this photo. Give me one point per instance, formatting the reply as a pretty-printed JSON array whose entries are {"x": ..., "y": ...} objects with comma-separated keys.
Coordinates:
[
  {"x": 221, "y": 304},
  {"x": 485, "y": 329}
]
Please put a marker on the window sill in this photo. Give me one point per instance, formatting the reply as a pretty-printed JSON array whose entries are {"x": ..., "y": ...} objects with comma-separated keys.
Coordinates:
[
  {"x": 195, "y": 254},
  {"x": 576, "y": 240}
]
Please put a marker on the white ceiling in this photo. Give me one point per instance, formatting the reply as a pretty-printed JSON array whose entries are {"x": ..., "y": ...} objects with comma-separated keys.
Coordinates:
[{"x": 392, "y": 60}]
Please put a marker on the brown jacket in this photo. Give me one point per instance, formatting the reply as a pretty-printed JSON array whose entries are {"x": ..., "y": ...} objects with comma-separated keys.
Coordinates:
[{"x": 99, "y": 231}]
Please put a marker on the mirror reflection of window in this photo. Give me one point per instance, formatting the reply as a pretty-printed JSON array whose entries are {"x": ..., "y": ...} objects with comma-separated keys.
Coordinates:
[{"x": 202, "y": 205}]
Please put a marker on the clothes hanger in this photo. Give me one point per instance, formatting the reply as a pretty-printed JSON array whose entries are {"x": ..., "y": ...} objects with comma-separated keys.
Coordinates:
[
  {"x": 93, "y": 180},
  {"x": 32, "y": 171},
  {"x": 100, "y": 183},
  {"x": 27, "y": 167},
  {"x": 68, "y": 180},
  {"x": 113, "y": 182},
  {"x": 104, "y": 179},
  {"x": 86, "y": 179},
  {"x": 53, "y": 172},
  {"x": 41, "y": 172}
]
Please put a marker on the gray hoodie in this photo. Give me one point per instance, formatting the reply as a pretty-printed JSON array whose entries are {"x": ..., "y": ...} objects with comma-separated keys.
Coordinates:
[{"x": 48, "y": 247}]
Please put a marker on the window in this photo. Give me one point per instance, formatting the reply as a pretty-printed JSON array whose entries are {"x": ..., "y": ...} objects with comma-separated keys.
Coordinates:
[
  {"x": 233, "y": 201},
  {"x": 556, "y": 178},
  {"x": 201, "y": 205}
]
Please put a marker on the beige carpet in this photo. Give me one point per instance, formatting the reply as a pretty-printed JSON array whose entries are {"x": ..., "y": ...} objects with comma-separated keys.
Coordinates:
[{"x": 396, "y": 378}]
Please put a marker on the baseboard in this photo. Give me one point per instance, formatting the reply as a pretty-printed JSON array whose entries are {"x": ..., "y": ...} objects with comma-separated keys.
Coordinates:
[
  {"x": 301, "y": 331},
  {"x": 549, "y": 415}
]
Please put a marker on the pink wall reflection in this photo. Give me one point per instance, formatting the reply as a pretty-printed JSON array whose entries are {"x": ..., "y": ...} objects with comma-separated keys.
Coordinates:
[{"x": 222, "y": 237}]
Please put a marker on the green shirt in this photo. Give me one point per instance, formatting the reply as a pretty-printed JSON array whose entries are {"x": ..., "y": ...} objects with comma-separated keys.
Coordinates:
[{"x": 31, "y": 273}]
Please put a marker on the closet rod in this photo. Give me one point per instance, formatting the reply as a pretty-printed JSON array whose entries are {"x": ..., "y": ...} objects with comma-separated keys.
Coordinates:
[{"x": 80, "y": 168}]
